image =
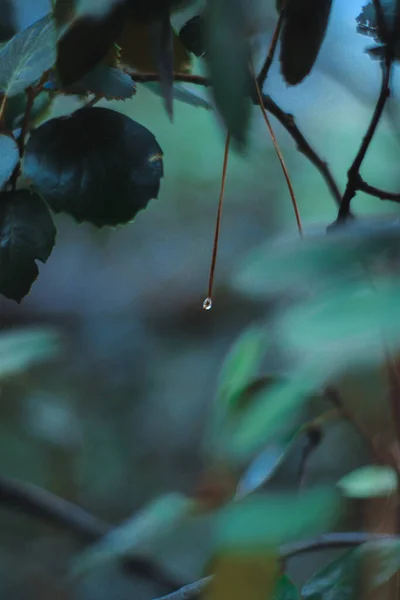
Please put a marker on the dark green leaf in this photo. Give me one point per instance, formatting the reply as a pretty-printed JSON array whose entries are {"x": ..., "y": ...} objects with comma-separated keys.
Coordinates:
[
  {"x": 9, "y": 157},
  {"x": 97, "y": 165},
  {"x": 7, "y": 20},
  {"x": 85, "y": 43},
  {"x": 162, "y": 44},
  {"x": 367, "y": 22},
  {"x": 192, "y": 35},
  {"x": 27, "y": 234},
  {"x": 286, "y": 590},
  {"x": 25, "y": 58},
  {"x": 227, "y": 56},
  {"x": 304, "y": 29}
]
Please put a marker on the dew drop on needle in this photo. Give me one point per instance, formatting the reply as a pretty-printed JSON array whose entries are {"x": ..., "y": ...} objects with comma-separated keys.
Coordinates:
[{"x": 207, "y": 304}]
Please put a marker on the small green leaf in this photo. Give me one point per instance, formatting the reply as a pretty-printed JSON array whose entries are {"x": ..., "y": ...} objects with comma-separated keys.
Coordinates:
[
  {"x": 9, "y": 157},
  {"x": 269, "y": 520},
  {"x": 227, "y": 56},
  {"x": 368, "y": 482},
  {"x": 97, "y": 165},
  {"x": 342, "y": 578},
  {"x": 27, "y": 234},
  {"x": 303, "y": 32},
  {"x": 25, "y": 58},
  {"x": 19, "y": 349},
  {"x": 140, "y": 534},
  {"x": 339, "y": 580},
  {"x": 286, "y": 589}
]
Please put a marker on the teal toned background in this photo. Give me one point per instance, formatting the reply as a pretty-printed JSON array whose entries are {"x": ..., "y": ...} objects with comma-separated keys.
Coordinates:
[{"x": 119, "y": 417}]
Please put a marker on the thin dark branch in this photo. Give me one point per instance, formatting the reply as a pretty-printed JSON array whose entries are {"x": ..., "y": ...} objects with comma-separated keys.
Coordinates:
[
  {"x": 363, "y": 186},
  {"x": 322, "y": 542},
  {"x": 285, "y": 119},
  {"x": 303, "y": 146},
  {"x": 353, "y": 174},
  {"x": 271, "y": 52},
  {"x": 40, "y": 504}
]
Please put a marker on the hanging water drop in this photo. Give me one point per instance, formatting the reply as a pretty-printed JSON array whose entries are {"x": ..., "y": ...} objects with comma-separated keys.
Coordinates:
[{"x": 207, "y": 304}]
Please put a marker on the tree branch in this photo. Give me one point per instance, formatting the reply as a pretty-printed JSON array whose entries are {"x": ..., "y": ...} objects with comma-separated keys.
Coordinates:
[
  {"x": 363, "y": 186},
  {"x": 322, "y": 542},
  {"x": 285, "y": 119},
  {"x": 271, "y": 52},
  {"x": 353, "y": 174},
  {"x": 35, "y": 502}
]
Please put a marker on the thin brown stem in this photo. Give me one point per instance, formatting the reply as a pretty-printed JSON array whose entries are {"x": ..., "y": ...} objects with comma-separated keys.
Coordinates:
[
  {"x": 271, "y": 52},
  {"x": 281, "y": 160},
  {"x": 3, "y": 106},
  {"x": 286, "y": 120},
  {"x": 208, "y": 301}
]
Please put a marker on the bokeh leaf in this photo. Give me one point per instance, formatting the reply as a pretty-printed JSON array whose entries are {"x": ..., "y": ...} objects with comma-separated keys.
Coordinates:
[
  {"x": 25, "y": 58},
  {"x": 369, "y": 482},
  {"x": 139, "y": 535},
  {"x": 239, "y": 576},
  {"x": 9, "y": 156},
  {"x": 273, "y": 410},
  {"x": 303, "y": 31},
  {"x": 268, "y": 520},
  {"x": 97, "y": 165},
  {"x": 21, "y": 348},
  {"x": 27, "y": 234},
  {"x": 227, "y": 56},
  {"x": 344, "y": 327},
  {"x": 287, "y": 263}
]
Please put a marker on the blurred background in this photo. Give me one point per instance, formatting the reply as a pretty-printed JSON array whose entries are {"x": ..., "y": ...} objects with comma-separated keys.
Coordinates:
[{"x": 118, "y": 416}]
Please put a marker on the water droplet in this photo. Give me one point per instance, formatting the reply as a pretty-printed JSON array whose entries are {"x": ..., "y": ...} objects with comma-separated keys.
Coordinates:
[{"x": 207, "y": 304}]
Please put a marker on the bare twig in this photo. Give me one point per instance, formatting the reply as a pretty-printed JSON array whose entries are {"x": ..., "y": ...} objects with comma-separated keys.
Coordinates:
[
  {"x": 286, "y": 120},
  {"x": 322, "y": 542},
  {"x": 38, "y": 503},
  {"x": 363, "y": 186},
  {"x": 353, "y": 174},
  {"x": 271, "y": 52}
]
